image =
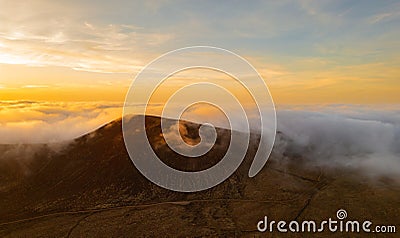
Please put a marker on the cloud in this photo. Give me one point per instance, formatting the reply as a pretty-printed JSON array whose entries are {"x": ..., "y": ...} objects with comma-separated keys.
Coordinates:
[
  {"x": 35, "y": 86},
  {"x": 361, "y": 137},
  {"x": 47, "y": 34},
  {"x": 44, "y": 122},
  {"x": 391, "y": 14},
  {"x": 357, "y": 137},
  {"x": 353, "y": 136}
]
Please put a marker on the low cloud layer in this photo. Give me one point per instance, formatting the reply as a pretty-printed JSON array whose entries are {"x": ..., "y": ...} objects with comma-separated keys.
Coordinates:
[
  {"x": 350, "y": 136},
  {"x": 45, "y": 122},
  {"x": 340, "y": 135}
]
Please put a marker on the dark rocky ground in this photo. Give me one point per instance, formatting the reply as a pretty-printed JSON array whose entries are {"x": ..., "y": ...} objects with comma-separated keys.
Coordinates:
[{"x": 90, "y": 188}]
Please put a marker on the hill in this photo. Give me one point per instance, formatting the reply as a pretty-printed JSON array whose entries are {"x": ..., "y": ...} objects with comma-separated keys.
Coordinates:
[{"x": 90, "y": 188}]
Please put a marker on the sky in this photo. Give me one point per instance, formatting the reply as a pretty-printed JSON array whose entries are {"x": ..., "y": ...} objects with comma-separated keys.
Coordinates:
[{"x": 306, "y": 51}]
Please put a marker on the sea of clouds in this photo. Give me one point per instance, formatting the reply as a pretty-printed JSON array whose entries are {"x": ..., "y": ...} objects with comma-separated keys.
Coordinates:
[
  {"x": 358, "y": 136},
  {"x": 23, "y": 122}
]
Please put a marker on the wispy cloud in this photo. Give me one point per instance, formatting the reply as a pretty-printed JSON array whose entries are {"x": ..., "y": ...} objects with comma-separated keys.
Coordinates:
[
  {"x": 35, "y": 86},
  {"x": 385, "y": 16},
  {"x": 64, "y": 38}
]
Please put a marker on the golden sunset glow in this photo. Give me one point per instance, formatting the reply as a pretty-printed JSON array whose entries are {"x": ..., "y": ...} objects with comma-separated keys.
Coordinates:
[{"x": 68, "y": 52}]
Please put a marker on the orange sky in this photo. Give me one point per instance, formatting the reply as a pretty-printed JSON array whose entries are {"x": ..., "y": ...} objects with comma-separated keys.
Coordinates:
[
  {"x": 307, "y": 52},
  {"x": 63, "y": 84}
]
